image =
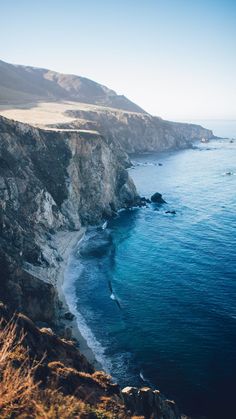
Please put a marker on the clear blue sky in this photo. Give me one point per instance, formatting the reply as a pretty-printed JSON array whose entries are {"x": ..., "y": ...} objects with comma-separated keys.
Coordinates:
[{"x": 175, "y": 58}]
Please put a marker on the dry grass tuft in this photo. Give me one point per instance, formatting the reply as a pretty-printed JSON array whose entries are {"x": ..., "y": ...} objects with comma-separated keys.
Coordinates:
[
  {"x": 22, "y": 397},
  {"x": 16, "y": 374}
]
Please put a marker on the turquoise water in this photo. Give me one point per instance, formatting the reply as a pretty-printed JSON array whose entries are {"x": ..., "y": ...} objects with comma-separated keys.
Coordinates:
[{"x": 174, "y": 277}]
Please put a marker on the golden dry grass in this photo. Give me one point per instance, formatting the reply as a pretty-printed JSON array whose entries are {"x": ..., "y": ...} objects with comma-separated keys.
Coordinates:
[{"x": 22, "y": 397}]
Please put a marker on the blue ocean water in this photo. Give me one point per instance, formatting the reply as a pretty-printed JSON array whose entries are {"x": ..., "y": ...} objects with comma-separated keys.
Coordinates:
[{"x": 155, "y": 293}]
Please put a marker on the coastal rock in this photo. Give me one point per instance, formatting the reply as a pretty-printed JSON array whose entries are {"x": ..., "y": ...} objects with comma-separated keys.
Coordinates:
[
  {"x": 145, "y": 200},
  {"x": 157, "y": 198},
  {"x": 149, "y": 404},
  {"x": 69, "y": 316},
  {"x": 68, "y": 333}
]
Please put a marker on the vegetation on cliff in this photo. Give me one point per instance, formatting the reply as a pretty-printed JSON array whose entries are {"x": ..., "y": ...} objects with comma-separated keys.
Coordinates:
[{"x": 42, "y": 376}]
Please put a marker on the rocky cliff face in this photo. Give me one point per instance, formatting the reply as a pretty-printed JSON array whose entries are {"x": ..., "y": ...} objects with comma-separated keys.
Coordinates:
[
  {"x": 136, "y": 132},
  {"x": 50, "y": 182}
]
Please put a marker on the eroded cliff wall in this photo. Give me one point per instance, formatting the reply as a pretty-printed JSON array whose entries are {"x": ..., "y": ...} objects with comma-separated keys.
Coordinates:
[
  {"x": 136, "y": 132},
  {"x": 49, "y": 182}
]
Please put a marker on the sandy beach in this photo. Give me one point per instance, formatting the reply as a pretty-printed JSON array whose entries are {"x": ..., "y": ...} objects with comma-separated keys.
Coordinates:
[{"x": 66, "y": 243}]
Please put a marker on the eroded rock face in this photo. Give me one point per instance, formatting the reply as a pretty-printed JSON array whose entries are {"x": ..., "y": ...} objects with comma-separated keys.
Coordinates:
[
  {"x": 149, "y": 404},
  {"x": 138, "y": 132},
  {"x": 50, "y": 182}
]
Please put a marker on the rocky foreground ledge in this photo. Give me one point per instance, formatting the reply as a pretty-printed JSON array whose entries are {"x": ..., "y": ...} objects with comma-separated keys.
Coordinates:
[{"x": 63, "y": 381}]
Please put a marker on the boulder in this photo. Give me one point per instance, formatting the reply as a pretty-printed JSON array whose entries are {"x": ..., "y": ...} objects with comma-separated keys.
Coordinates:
[
  {"x": 157, "y": 198},
  {"x": 149, "y": 404},
  {"x": 69, "y": 316}
]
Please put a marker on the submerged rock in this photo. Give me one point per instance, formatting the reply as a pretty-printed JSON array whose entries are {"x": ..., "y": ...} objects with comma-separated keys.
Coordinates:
[
  {"x": 157, "y": 198},
  {"x": 69, "y": 316},
  {"x": 142, "y": 202}
]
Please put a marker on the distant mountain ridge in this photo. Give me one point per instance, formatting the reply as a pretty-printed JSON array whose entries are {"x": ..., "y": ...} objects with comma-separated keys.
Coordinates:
[{"x": 24, "y": 84}]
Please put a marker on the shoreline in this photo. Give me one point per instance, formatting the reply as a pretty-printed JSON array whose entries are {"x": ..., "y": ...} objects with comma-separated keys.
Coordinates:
[{"x": 66, "y": 244}]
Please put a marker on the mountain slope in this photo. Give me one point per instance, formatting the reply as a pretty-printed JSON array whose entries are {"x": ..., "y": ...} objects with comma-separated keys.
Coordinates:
[
  {"x": 24, "y": 84},
  {"x": 44, "y": 99}
]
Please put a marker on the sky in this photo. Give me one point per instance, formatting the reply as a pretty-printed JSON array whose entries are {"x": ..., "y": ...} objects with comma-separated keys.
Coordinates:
[{"x": 175, "y": 58}]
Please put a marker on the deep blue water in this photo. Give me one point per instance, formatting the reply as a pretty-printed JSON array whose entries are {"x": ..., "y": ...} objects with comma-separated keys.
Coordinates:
[{"x": 174, "y": 277}]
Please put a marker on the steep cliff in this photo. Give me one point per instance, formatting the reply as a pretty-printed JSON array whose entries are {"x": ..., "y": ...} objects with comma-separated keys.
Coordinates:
[
  {"x": 50, "y": 182},
  {"x": 136, "y": 132}
]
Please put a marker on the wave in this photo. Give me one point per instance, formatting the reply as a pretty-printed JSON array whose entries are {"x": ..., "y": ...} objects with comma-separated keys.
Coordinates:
[
  {"x": 143, "y": 378},
  {"x": 104, "y": 225},
  {"x": 144, "y": 164},
  {"x": 72, "y": 272}
]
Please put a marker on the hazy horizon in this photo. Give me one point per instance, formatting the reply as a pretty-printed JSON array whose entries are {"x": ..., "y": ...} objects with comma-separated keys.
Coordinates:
[{"x": 175, "y": 59}]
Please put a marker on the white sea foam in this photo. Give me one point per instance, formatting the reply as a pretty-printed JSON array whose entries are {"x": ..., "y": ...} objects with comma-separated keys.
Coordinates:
[
  {"x": 104, "y": 226},
  {"x": 142, "y": 377},
  {"x": 72, "y": 272}
]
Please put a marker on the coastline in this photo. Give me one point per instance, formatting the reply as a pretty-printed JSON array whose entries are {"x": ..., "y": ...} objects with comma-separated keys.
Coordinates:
[{"x": 66, "y": 243}]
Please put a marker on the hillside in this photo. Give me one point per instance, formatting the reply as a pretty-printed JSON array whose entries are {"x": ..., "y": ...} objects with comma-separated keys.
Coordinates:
[
  {"x": 23, "y": 84},
  {"x": 47, "y": 99}
]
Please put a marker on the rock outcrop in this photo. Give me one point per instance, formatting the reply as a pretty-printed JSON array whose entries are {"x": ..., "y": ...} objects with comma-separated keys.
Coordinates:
[
  {"x": 157, "y": 198},
  {"x": 57, "y": 368},
  {"x": 149, "y": 403},
  {"x": 51, "y": 378}
]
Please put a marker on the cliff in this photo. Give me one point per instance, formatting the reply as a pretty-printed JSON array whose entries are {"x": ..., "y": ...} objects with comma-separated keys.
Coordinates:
[
  {"x": 50, "y": 182},
  {"x": 137, "y": 133}
]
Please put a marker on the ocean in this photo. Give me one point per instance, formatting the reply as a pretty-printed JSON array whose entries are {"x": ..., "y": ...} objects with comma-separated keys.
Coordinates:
[{"x": 155, "y": 293}]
